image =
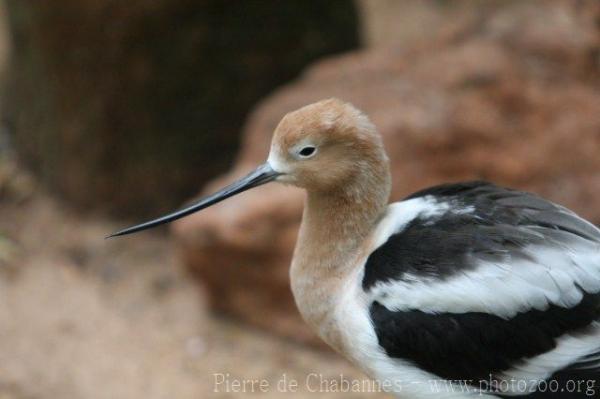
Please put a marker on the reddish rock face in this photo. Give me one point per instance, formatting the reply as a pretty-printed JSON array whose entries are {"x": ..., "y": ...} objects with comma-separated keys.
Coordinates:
[{"x": 512, "y": 96}]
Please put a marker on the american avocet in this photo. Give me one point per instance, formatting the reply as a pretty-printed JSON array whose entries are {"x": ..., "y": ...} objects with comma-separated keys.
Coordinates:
[{"x": 459, "y": 290}]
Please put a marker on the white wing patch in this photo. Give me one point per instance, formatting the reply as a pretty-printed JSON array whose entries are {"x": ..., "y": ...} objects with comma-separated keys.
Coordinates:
[
  {"x": 557, "y": 272},
  {"x": 399, "y": 214},
  {"x": 569, "y": 348},
  {"x": 552, "y": 276}
]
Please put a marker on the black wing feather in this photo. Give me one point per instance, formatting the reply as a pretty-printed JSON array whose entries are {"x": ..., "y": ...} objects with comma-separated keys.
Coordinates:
[
  {"x": 502, "y": 221},
  {"x": 476, "y": 345}
]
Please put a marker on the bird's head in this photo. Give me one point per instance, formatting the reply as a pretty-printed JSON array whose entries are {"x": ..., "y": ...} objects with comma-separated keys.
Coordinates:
[{"x": 323, "y": 147}]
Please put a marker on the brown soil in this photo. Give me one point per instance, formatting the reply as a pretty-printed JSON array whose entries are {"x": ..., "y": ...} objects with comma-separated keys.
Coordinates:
[{"x": 82, "y": 317}]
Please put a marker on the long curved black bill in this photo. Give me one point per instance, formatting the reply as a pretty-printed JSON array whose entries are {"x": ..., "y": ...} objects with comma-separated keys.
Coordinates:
[{"x": 261, "y": 175}]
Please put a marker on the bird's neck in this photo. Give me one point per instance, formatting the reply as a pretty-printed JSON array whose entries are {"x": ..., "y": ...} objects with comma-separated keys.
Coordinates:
[
  {"x": 336, "y": 223},
  {"x": 335, "y": 229}
]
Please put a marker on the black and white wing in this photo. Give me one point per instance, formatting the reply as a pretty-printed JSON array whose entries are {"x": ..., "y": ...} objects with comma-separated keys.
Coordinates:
[{"x": 473, "y": 281}]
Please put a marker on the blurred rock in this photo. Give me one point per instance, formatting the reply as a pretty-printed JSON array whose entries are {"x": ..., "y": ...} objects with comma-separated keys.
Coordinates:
[
  {"x": 391, "y": 23},
  {"x": 512, "y": 97},
  {"x": 128, "y": 106}
]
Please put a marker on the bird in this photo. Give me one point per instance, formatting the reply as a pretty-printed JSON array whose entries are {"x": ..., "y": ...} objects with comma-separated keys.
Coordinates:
[{"x": 459, "y": 290}]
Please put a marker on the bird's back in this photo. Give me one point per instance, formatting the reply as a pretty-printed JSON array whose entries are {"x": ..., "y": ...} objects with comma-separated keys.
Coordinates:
[{"x": 479, "y": 283}]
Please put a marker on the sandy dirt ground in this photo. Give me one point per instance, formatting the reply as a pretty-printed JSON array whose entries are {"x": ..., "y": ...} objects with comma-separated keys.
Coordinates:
[{"x": 84, "y": 317}]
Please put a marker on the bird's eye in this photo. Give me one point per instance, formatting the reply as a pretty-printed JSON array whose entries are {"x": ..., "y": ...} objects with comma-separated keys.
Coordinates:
[{"x": 307, "y": 151}]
